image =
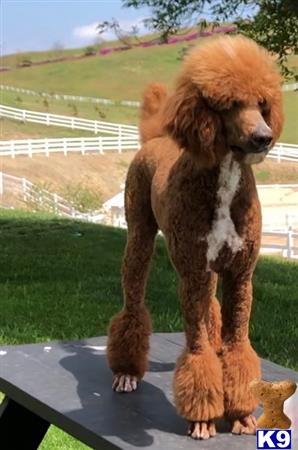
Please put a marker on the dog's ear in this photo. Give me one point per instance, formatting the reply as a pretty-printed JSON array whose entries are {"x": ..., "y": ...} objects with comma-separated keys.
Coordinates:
[
  {"x": 274, "y": 116},
  {"x": 192, "y": 123}
]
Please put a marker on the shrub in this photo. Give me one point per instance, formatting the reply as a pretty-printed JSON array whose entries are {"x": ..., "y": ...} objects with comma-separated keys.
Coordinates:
[
  {"x": 82, "y": 197},
  {"x": 89, "y": 51},
  {"x": 101, "y": 114},
  {"x": 46, "y": 104},
  {"x": 74, "y": 109},
  {"x": 25, "y": 63}
]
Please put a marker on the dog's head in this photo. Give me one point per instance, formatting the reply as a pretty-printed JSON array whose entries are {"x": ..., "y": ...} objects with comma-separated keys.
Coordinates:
[{"x": 227, "y": 98}]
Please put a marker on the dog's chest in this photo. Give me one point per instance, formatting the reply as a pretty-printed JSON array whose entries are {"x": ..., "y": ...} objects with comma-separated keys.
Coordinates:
[{"x": 223, "y": 233}]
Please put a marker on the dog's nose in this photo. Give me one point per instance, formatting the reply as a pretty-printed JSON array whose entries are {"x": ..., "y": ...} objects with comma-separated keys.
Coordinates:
[{"x": 260, "y": 141}]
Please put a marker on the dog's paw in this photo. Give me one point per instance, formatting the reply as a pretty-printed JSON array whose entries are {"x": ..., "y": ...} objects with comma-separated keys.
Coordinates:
[
  {"x": 245, "y": 425},
  {"x": 201, "y": 430},
  {"x": 124, "y": 383}
]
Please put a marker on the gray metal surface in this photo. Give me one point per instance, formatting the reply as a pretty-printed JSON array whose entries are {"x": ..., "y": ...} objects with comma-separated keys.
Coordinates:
[{"x": 69, "y": 385}]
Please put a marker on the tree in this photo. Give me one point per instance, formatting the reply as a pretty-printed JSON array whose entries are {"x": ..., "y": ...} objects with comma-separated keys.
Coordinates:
[{"x": 272, "y": 23}]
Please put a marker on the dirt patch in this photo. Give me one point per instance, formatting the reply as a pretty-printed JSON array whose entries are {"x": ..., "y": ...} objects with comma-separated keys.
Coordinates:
[{"x": 102, "y": 173}]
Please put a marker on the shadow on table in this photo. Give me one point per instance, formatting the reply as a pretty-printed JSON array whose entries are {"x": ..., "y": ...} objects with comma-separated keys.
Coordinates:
[{"x": 129, "y": 417}]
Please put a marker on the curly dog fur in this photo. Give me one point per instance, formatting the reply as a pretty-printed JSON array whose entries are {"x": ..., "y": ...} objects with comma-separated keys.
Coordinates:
[{"x": 193, "y": 180}]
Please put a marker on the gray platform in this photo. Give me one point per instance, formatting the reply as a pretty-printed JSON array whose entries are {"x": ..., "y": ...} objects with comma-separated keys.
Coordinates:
[{"x": 69, "y": 385}]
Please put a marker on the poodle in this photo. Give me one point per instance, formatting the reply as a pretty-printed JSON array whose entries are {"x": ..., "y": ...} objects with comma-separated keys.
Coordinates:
[{"x": 192, "y": 179}]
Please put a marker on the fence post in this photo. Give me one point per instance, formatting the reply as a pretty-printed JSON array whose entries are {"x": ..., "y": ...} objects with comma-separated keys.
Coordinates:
[
  {"x": 82, "y": 146},
  {"x": 24, "y": 187},
  {"x": 30, "y": 148},
  {"x": 47, "y": 147},
  {"x": 95, "y": 128},
  {"x": 1, "y": 183},
  {"x": 72, "y": 123},
  {"x": 279, "y": 151},
  {"x": 24, "y": 116},
  {"x": 12, "y": 149},
  {"x": 100, "y": 146},
  {"x": 64, "y": 147},
  {"x": 55, "y": 203},
  {"x": 290, "y": 243},
  {"x": 119, "y": 144},
  {"x": 48, "y": 120}
]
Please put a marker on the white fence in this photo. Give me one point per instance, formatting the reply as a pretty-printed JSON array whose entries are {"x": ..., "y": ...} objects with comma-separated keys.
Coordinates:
[
  {"x": 76, "y": 98},
  {"x": 29, "y": 147},
  {"x": 99, "y": 145},
  {"x": 290, "y": 87},
  {"x": 41, "y": 199},
  {"x": 280, "y": 242},
  {"x": 286, "y": 152},
  {"x": 104, "y": 101},
  {"x": 96, "y": 126}
]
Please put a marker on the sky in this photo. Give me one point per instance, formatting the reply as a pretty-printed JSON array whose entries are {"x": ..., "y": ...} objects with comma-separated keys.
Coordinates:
[{"x": 28, "y": 25}]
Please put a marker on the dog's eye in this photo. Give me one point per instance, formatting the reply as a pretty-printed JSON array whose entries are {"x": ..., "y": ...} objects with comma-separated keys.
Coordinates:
[
  {"x": 235, "y": 104},
  {"x": 262, "y": 103}
]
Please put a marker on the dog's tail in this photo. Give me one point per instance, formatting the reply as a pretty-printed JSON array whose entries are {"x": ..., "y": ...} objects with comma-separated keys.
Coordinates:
[{"x": 154, "y": 99}]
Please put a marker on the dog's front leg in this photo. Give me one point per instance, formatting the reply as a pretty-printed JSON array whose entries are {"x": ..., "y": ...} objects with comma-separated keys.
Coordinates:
[
  {"x": 198, "y": 376},
  {"x": 240, "y": 362}
]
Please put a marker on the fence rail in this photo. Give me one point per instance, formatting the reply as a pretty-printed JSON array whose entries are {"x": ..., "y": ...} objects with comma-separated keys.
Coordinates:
[
  {"x": 99, "y": 145},
  {"x": 283, "y": 242},
  {"x": 96, "y": 126},
  {"x": 41, "y": 199},
  {"x": 29, "y": 147},
  {"x": 286, "y": 152},
  {"x": 103, "y": 101},
  {"x": 76, "y": 98}
]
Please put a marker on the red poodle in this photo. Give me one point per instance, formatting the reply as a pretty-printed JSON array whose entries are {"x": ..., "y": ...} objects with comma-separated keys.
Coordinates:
[{"x": 193, "y": 180}]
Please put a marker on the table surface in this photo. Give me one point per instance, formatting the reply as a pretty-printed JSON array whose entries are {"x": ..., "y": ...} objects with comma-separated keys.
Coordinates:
[{"x": 69, "y": 385}]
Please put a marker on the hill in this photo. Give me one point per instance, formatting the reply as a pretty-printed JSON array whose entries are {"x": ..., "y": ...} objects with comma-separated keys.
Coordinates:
[
  {"x": 118, "y": 76},
  {"x": 101, "y": 174}
]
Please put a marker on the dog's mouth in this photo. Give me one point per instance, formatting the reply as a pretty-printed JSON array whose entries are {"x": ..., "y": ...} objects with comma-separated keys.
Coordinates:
[
  {"x": 249, "y": 156},
  {"x": 262, "y": 149},
  {"x": 236, "y": 148}
]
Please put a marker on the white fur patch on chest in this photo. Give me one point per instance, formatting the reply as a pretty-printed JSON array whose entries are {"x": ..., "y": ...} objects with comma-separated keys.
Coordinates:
[{"x": 223, "y": 228}]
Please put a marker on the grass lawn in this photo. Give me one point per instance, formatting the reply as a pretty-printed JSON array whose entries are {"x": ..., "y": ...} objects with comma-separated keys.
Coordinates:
[
  {"x": 95, "y": 111},
  {"x": 60, "y": 280}
]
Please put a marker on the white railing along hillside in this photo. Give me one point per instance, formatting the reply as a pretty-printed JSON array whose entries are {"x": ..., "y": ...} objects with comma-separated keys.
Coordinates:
[
  {"x": 290, "y": 87},
  {"x": 23, "y": 189},
  {"x": 287, "y": 248},
  {"x": 76, "y": 98},
  {"x": 83, "y": 145},
  {"x": 286, "y": 152},
  {"x": 40, "y": 198},
  {"x": 104, "y": 101},
  {"x": 96, "y": 126},
  {"x": 29, "y": 147}
]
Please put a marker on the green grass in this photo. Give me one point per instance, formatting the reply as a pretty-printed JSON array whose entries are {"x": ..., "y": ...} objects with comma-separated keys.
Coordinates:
[
  {"x": 60, "y": 280},
  {"x": 108, "y": 113},
  {"x": 290, "y": 130},
  {"x": 15, "y": 129}
]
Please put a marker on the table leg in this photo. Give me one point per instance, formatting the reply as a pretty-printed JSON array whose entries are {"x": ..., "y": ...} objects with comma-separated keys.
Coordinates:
[{"x": 19, "y": 427}]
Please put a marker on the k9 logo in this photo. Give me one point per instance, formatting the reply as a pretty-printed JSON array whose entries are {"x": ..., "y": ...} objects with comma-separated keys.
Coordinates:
[{"x": 267, "y": 439}]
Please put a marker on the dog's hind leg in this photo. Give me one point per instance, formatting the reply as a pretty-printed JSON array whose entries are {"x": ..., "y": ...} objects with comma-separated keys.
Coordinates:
[{"x": 129, "y": 331}]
